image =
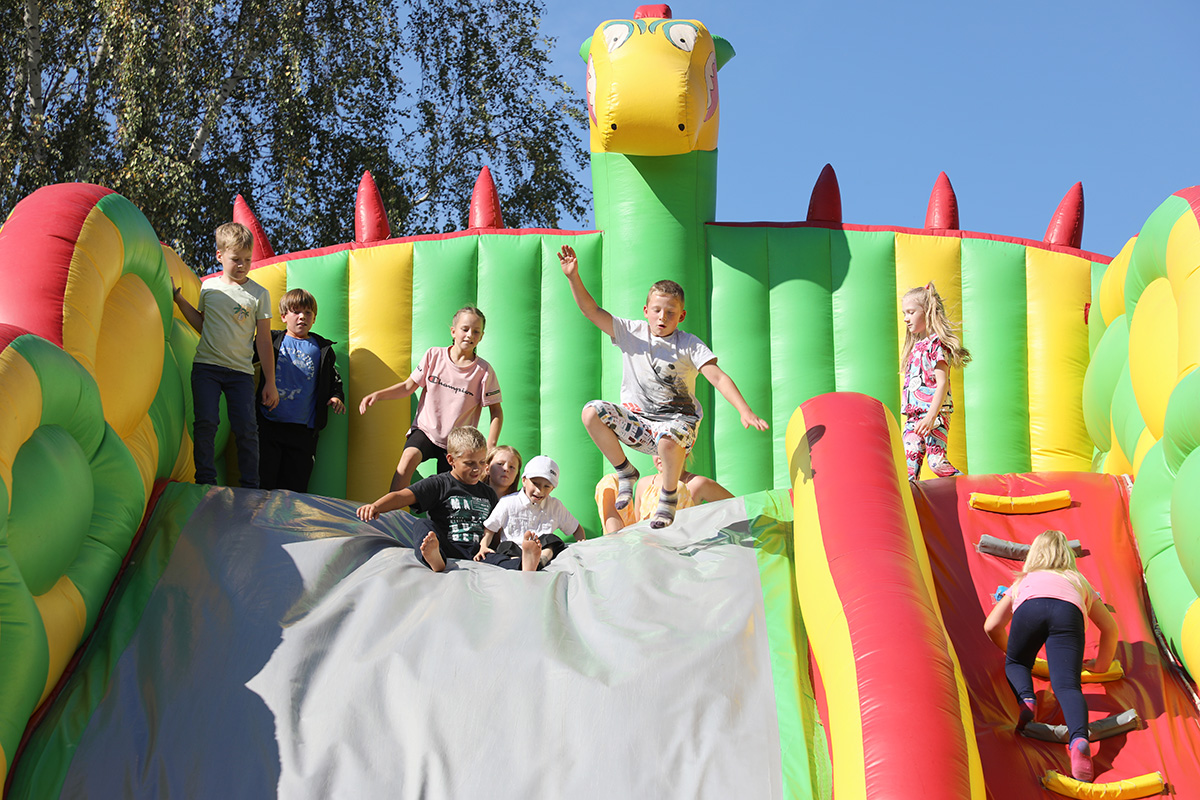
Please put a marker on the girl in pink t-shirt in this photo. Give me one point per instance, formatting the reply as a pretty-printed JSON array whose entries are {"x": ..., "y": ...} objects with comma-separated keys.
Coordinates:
[
  {"x": 456, "y": 384},
  {"x": 1047, "y": 605}
]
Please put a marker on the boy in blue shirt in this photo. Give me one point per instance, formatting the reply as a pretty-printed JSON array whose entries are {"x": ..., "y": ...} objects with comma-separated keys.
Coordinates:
[
  {"x": 309, "y": 385},
  {"x": 233, "y": 319}
]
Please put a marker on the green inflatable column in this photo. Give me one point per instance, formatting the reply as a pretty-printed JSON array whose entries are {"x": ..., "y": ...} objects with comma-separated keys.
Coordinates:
[{"x": 652, "y": 210}]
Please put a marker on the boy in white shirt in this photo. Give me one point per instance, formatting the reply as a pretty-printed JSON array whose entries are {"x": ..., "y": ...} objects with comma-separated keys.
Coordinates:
[
  {"x": 234, "y": 320},
  {"x": 527, "y": 519},
  {"x": 659, "y": 413}
]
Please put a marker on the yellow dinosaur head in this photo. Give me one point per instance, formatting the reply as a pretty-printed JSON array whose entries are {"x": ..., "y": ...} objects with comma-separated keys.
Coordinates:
[{"x": 652, "y": 84}]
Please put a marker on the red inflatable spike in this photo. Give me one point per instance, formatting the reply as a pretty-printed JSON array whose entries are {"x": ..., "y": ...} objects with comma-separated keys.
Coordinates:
[
  {"x": 485, "y": 203},
  {"x": 243, "y": 214},
  {"x": 825, "y": 205},
  {"x": 1066, "y": 226},
  {"x": 942, "y": 213},
  {"x": 370, "y": 218},
  {"x": 658, "y": 11}
]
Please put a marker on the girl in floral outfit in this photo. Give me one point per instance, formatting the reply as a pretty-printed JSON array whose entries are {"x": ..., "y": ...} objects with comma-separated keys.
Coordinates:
[{"x": 931, "y": 347}]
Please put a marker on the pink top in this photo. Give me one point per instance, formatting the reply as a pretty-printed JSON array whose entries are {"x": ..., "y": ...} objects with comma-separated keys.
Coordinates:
[
  {"x": 1047, "y": 583},
  {"x": 453, "y": 395}
]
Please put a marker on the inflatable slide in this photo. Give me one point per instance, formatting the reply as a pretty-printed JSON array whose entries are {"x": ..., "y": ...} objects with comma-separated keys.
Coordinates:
[
  {"x": 898, "y": 591},
  {"x": 820, "y": 634}
]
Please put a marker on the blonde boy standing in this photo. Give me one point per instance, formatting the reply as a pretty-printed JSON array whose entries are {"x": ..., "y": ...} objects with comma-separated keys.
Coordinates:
[
  {"x": 233, "y": 319},
  {"x": 659, "y": 413}
]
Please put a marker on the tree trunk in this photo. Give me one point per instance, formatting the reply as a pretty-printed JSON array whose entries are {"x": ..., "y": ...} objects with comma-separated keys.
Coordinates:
[
  {"x": 247, "y": 53},
  {"x": 33, "y": 77}
]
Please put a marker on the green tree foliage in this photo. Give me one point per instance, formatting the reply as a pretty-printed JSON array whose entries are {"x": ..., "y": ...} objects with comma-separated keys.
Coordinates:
[{"x": 180, "y": 106}]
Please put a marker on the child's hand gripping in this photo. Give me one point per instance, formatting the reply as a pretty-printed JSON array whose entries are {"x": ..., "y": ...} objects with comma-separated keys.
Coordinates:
[
  {"x": 337, "y": 405},
  {"x": 925, "y": 426}
]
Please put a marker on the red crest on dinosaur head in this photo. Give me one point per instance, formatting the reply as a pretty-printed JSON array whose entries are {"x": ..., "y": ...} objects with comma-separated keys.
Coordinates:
[{"x": 657, "y": 11}]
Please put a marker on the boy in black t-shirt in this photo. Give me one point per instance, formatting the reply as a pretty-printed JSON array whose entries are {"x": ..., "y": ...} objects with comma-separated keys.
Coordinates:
[{"x": 456, "y": 502}]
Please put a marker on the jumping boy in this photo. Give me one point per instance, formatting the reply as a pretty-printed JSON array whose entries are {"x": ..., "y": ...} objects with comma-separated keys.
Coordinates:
[
  {"x": 308, "y": 383},
  {"x": 456, "y": 502},
  {"x": 659, "y": 413},
  {"x": 233, "y": 319}
]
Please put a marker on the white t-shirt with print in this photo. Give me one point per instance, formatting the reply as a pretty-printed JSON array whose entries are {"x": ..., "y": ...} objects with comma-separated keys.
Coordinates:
[
  {"x": 231, "y": 314},
  {"x": 658, "y": 373}
]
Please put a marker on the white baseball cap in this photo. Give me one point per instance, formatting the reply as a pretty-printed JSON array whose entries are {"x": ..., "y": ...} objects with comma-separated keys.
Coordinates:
[{"x": 542, "y": 467}]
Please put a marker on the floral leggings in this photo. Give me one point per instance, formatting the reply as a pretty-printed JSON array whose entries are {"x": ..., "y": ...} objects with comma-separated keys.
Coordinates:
[{"x": 932, "y": 446}]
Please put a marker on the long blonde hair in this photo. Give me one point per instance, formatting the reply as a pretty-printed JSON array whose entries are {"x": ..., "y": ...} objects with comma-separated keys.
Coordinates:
[
  {"x": 1051, "y": 551},
  {"x": 936, "y": 322}
]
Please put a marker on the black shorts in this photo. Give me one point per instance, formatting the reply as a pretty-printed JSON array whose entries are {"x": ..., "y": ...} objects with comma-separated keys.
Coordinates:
[{"x": 418, "y": 439}]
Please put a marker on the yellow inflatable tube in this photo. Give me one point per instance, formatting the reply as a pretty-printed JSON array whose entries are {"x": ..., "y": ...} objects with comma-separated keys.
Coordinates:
[
  {"x": 1115, "y": 672},
  {"x": 1141, "y": 786},
  {"x": 1030, "y": 504}
]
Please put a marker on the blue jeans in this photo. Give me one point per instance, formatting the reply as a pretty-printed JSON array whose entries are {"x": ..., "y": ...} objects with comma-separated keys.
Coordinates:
[
  {"x": 208, "y": 383},
  {"x": 1059, "y": 625}
]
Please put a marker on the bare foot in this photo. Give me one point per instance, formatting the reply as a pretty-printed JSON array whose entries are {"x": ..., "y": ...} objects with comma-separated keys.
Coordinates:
[
  {"x": 433, "y": 552},
  {"x": 531, "y": 552}
]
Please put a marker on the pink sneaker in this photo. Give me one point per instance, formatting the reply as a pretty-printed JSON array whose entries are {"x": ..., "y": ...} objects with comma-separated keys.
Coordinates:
[
  {"x": 1081, "y": 760},
  {"x": 1028, "y": 711}
]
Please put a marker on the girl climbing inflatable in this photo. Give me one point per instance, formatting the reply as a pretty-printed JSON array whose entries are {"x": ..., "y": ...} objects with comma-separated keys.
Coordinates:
[{"x": 1047, "y": 605}]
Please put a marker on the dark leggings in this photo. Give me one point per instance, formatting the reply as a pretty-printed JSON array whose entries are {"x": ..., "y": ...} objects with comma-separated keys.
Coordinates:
[{"x": 1059, "y": 625}]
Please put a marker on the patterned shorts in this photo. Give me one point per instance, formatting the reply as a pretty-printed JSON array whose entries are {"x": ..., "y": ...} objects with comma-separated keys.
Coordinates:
[{"x": 643, "y": 434}]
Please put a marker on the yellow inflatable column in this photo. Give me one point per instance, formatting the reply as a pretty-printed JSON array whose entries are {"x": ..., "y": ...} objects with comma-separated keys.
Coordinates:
[
  {"x": 380, "y": 343},
  {"x": 919, "y": 260},
  {"x": 1058, "y": 287}
]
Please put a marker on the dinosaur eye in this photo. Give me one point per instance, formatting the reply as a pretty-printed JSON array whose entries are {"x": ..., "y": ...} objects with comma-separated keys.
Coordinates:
[
  {"x": 682, "y": 34},
  {"x": 710, "y": 81},
  {"x": 615, "y": 34}
]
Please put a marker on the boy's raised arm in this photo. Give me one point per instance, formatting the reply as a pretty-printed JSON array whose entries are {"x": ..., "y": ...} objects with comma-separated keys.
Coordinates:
[
  {"x": 728, "y": 389},
  {"x": 587, "y": 304}
]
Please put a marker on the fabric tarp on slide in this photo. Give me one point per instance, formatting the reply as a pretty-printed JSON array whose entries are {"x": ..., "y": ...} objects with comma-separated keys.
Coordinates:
[{"x": 286, "y": 649}]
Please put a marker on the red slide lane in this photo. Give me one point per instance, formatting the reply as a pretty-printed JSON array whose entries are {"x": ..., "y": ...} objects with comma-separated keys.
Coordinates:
[{"x": 1169, "y": 740}]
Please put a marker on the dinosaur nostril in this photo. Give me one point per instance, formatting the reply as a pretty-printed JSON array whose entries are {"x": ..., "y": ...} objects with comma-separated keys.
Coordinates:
[
  {"x": 681, "y": 126},
  {"x": 614, "y": 126}
]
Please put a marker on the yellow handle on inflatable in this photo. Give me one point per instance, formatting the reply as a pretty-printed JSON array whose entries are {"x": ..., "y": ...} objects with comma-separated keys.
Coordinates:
[
  {"x": 1114, "y": 672},
  {"x": 1030, "y": 504},
  {"x": 1142, "y": 786}
]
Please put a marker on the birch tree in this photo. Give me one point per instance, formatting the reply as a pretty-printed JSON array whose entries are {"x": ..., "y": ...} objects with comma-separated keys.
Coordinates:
[{"x": 181, "y": 106}]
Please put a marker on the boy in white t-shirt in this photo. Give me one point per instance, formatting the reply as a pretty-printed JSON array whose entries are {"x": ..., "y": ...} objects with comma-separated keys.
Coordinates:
[
  {"x": 659, "y": 413},
  {"x": 233, "y": 319},
  {"x": 527, "y": 521}
]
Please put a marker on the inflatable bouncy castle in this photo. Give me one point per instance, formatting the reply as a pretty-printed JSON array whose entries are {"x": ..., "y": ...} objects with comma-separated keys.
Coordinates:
[{"x": 819, "y": 634}]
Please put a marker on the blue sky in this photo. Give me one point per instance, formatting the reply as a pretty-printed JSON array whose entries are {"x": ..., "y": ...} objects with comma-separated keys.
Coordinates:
[{"x": 1014, "y": 101}]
